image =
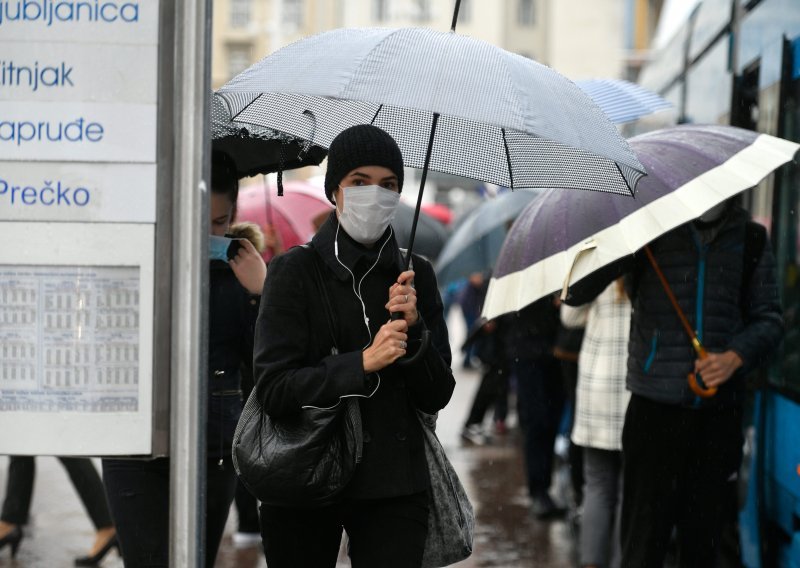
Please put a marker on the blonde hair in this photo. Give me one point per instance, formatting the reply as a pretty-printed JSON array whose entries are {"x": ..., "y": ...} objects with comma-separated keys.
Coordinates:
[{"x": 249, "y": 231}]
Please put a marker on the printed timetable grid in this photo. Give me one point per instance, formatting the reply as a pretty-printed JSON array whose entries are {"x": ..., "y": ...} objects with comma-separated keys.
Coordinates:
[{"x": 69, "y": 339}]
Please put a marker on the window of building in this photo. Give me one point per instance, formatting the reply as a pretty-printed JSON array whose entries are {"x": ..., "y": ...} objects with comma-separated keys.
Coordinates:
[
  {"x": 465, "y": 12},
  {"x": 380, "y": 10},
  {"x": 526, "y": 13},
  {"x": 239, "y": 58},
  {"x": 293, "y": 12},
  {"x": 423, "y": 10},
  {"x": 241, "y": 13}
]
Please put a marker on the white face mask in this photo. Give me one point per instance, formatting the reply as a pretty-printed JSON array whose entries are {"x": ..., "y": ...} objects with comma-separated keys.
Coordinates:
[{"x": 367, "y": 211}]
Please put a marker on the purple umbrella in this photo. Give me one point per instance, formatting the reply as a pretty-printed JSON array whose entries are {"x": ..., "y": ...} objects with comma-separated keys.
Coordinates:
[{"x": 563, "y": 236}]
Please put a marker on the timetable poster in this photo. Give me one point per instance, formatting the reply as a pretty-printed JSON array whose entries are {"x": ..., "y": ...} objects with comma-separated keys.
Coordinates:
[{"x": 69, "y": 338}]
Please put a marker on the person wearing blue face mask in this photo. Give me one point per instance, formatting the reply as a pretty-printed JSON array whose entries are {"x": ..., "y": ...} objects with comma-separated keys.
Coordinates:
[
  {"x": 138, "y": 490},
  {"x": 384, "y": 508}
]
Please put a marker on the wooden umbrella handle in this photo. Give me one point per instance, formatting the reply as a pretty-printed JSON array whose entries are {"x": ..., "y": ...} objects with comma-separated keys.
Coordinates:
[{"x": 695, "y": 383}]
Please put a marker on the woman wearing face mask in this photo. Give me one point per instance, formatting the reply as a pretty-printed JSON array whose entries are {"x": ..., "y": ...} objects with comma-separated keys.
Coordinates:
[
  {"x": 384, "y": 509},
  {"x": 138, "y": 490}
]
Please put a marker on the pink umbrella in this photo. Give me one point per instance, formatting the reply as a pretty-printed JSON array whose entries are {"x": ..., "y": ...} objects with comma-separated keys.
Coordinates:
[{"x": 295, "y": 216}]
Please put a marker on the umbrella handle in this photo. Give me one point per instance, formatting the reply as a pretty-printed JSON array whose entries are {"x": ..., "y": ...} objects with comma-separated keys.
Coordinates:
[
  {"x": 425, "y": 343},
  {"x": 696, "y": 383}
]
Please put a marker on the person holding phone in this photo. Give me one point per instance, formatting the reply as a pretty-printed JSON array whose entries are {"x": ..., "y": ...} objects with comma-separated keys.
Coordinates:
[{"x": 138, "y": 490}]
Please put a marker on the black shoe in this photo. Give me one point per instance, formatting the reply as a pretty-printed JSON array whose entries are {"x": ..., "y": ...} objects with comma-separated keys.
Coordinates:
[
  {"x": 13, "y": 539},
  {"x": 543, "y": 507},
  {"x": 97, "y": 558}
]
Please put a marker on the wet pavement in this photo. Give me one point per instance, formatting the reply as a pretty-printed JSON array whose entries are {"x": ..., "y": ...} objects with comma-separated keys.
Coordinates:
[{"x": 505, "y": 534}]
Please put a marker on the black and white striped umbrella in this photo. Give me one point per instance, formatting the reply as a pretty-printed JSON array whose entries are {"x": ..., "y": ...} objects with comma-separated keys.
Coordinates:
[
  {"x": 623, "y": 101},
  {"x": 454, "y": 104}
]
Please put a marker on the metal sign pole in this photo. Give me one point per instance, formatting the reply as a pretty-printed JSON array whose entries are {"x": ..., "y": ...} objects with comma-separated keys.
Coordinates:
[{"x": 190, "y": 283}]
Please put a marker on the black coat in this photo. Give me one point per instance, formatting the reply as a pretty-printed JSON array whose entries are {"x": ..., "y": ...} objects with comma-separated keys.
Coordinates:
[
  {"x": 732, "y": 308},
  {"x": 232, "y": 316},
  {"x": 294, "y": 366},
  {"x": 729, "y": 313}
]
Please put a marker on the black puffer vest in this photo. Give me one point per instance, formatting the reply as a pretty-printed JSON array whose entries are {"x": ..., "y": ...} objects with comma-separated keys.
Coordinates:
[{"x": 707, "y": 280}]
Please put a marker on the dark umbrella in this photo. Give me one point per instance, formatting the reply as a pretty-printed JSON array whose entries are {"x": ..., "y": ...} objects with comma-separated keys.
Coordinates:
[
  {"x": 478, "y": 238},
  {"x": 431, "y": 234},
  {"x": 258, "y": 150},
  {"x": 562, "y": 237}
]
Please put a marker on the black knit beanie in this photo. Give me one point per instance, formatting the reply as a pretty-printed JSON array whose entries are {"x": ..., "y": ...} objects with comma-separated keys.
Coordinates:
[{"x": 361, "y": 145}]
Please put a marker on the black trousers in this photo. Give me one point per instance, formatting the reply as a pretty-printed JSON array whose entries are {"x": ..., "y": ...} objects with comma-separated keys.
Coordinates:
[
  {"x": 493, "y": 391},
  {"x": 677, "y": 466},
  {"x": 383, "y": 533},
  {"x": 84, "y": 477},
  {"x": 540, "y": 402},
  {"x": 247, "y": 509},
  {"x": 569, "y": 373},
  {"x": 138, "y": 492}
]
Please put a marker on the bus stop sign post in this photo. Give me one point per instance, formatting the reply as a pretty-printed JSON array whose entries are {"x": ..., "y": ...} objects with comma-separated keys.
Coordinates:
[{"x": 192, "y": 84}]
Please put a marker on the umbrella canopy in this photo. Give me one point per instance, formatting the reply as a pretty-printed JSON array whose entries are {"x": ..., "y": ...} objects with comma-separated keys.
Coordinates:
[
  {"x": 478, "y": 238},
  {"x": 498, "y": 117},
  {"x": 431, "y": 234},
  {"x": 293, "y": 215},
  {"x": 562, "y": 237},
  {"x": 255, "y": 149},
  {"x": 623, "y": 101}
]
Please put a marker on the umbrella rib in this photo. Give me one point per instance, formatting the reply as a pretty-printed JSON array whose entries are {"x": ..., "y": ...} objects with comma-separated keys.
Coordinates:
[
  {"x": 508, "y": 159},
  {"x": 377, "y": 112},
  {"x": 632, "y": 190},
  {"x": 247, "y": 106}
]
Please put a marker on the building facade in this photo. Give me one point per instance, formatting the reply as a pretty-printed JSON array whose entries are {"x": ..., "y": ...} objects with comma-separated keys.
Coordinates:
[{"x": 579, "y": 38}]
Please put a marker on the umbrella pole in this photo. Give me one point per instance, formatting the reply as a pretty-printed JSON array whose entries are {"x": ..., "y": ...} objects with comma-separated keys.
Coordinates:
[
  {"x": 425, "y": 166},
  {"x": 455, "y": 16},
  {"x": 426, "y": 334},
  {"x": 267, "y": 203},
  {"x": 694, "y": 383}
]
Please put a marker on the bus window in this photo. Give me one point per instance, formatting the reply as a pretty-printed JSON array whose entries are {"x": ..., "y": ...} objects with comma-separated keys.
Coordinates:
[
  {"x": 710, "y": 74},
  {"x": 713, "y": 16},
  {"x": 787, "y": 219}
]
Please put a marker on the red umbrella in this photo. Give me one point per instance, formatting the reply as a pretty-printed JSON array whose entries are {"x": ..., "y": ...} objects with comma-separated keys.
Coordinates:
[
  {"x": 295, "y": 215},
  {"x": 440, "y": 212}
]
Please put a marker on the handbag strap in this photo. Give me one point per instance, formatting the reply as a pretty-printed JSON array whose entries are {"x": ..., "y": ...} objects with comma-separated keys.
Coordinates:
[
  {"x": 320, "y": 281},
  {"x": 353, "y": 409}
]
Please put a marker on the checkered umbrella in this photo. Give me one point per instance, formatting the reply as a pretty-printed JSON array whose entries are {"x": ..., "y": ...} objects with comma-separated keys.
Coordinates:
[{"x": 454, "y": 104}]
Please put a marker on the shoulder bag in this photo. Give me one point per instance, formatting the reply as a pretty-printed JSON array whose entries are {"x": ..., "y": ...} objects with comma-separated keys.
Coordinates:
[
  {"x": 451, "y": 519},
  {"x": 302, "y": 460}
]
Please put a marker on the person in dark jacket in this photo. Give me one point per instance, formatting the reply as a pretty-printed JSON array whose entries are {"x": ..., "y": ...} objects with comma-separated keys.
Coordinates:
[
  {"x": 682, "y": 451},
  {"x": 138, "y": 490},
  {"x": 529, "y": 338},
  {"x": 384, "y": 508}
]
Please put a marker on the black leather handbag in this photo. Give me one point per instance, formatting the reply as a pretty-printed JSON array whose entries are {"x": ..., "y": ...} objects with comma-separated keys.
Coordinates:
[{"x": 305, "y": 459}]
